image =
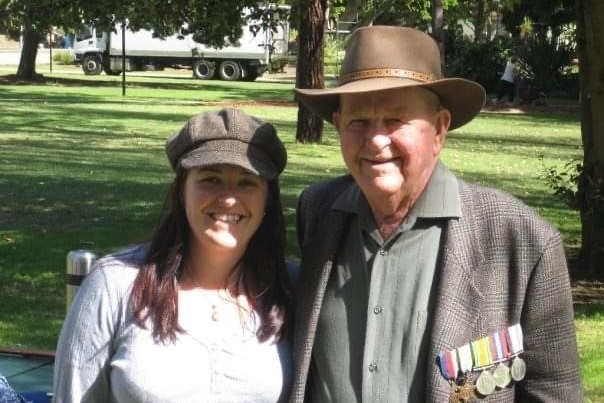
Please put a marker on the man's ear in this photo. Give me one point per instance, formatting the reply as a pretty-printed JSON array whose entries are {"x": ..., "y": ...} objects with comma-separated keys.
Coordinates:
[
  {"x": 443, "y": 121},
  {"x": 335, "y": 118}
]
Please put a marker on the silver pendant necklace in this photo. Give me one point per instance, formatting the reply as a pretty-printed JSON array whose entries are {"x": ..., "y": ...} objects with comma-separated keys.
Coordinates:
[{"x": 215, "y": 312}]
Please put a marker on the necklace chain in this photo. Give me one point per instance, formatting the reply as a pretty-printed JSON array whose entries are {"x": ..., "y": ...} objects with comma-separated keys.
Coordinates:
[{"x": 215, "y": 314}]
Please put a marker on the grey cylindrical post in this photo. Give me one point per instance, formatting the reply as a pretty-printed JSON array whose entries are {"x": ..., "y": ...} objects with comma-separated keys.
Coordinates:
[{"x": 79, "y": 263}]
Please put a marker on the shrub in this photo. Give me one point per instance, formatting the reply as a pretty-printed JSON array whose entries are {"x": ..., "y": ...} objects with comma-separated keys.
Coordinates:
[
  {"x": 61, "y": 57},
  {"x": 547, "y": 62},
  {"x": 482, "y": 62}
]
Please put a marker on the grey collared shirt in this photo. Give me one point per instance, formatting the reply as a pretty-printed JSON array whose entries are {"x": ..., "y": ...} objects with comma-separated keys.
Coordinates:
[{"x": 374, "y": 324}]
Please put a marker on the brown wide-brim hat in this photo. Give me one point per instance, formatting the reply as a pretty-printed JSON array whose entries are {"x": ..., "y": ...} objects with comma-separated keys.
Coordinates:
[{"x": 385, "y": 57}]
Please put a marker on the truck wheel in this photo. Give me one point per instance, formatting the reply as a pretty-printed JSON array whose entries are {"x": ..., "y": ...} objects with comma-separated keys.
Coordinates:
[
  {"x": 203, "y": 69},
  {"x": 251, "y": 74},
  {"x": 229, "y": 71},
  {"x": 91, "y": 65}
]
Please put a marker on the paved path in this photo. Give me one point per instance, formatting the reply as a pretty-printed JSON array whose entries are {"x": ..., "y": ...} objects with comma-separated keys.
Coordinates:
[{"x": 11, "y": 57}]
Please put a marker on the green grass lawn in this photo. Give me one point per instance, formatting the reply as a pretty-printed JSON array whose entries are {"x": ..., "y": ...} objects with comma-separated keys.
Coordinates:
[{"x": 84, "y": 167}]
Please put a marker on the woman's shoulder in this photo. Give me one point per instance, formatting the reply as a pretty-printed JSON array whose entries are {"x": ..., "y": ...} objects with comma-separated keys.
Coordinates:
[
  {"x": 119, "y": 267},
  {"x": 131, "y": 255}
]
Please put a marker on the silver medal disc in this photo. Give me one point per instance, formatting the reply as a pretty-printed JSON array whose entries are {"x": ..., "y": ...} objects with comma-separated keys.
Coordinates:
[
  {"x": 518, "y": 369},
  {"x": 502, "y": 375},
  {"x": 485, "y": 383}
]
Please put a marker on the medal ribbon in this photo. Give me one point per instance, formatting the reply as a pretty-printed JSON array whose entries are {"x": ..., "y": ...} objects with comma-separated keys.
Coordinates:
[
  {"x": 465, "y": 358},
  {"x": 515, "y": 339},
  {"x": 499, "y": 350},
  {"x": 496, "y": 347},
  {"x": 503, "y": 336},
  {"x": 481, "y": 353},
  {"x": 448, "y": 364}
]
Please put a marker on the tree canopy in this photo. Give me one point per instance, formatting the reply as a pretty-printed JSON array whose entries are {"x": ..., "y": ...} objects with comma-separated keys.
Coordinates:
[{"x": 211, "y": 22}]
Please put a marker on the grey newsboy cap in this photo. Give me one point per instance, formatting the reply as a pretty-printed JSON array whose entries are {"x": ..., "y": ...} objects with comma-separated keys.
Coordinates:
[{"x": 228, "y": 136}]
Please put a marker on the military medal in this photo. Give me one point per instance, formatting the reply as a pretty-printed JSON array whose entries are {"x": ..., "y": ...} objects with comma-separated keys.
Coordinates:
[
  {"x": 483, "y": 355},
  {"x": 460, "y": 392},
  {"x": 500, "y": 352},
  {"x": 518, "y": 368},
  {"x": 463, "y": 393},
  {"x": 485, "y": 383},
  {"x": 502, "y": 377}
]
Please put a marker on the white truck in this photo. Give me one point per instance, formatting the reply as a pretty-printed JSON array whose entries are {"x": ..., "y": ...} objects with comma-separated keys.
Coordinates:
[{"x": 245, "y": 60}]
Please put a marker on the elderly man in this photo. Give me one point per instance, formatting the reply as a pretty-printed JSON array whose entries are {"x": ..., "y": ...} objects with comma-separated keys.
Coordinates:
[{"x": 416, "y": 286}]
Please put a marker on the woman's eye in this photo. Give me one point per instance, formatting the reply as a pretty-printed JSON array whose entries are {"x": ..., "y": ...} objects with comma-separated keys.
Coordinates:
[
  {"x": 212, "y": 180},
  {"x": 248, "y": 183}
]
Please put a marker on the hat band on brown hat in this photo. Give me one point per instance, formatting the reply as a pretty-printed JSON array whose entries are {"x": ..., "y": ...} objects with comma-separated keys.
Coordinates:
[
  {"x": 380, "y": 58},
  {"x": 385, "y": 72}
]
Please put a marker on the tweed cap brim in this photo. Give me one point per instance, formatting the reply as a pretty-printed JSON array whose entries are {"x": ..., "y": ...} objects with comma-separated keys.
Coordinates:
[{"x": 232, "y": 152}]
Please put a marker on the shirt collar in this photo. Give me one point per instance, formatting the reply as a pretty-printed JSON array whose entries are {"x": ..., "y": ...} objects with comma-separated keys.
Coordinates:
[{"x": 440, "y": 199}]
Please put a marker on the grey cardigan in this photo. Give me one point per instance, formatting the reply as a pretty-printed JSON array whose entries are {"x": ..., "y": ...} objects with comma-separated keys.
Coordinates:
[{"x": 499, "y": 264}]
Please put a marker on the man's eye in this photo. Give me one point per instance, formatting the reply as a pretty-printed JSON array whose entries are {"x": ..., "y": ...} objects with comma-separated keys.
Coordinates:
[
  {"x": 357, "y": 124},
  {"x": 393, "y": 121}
]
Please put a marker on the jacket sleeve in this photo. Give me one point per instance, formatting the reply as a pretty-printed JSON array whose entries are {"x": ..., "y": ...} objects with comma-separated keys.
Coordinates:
[
  {"x": 84, "y": 348},
  {"x": 300, "y": 218},
  {"x": 553, "y": 373}
]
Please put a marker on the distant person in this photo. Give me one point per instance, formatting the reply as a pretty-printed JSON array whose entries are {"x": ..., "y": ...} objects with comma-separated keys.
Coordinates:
[
  {"x": 415, "y": 285},
  {"x": 507, "y": 81},
  {"x": 199, "y": 314},
  {"x": 67, "y": 41}
]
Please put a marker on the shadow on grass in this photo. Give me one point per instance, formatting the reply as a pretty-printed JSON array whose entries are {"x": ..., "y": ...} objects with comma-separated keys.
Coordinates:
[
  {"x": 213, "y": 90},
  {"x": 592, "y": 309}
]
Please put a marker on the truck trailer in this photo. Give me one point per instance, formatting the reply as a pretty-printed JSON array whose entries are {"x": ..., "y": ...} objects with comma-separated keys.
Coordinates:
[{"x": 248, "y": 59}]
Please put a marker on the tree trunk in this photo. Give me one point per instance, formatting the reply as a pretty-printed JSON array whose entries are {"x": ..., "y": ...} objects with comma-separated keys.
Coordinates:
[
  {"x": 480, "y": 21},
  {"x": 29, "y": 52},
  {"x": 437, "y": 28},
  {"x": 309, "y": 68},
  {"x": 590, "y": 38}
]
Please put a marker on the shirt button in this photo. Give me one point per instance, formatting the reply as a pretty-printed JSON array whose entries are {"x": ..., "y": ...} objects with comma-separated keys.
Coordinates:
[
  {"x": 373, "y": 367},
  {"x": 383, "y": 252},
  {"x": 377, "y": 310}
]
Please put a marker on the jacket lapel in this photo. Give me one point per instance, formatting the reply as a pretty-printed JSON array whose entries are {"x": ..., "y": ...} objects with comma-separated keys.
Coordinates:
[
  {"x": 318, "y": 258},
  {"x": 456, "y": 309}
]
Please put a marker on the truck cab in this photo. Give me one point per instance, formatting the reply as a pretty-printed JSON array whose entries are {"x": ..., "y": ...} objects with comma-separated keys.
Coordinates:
[{"x": 88, "y": 48}]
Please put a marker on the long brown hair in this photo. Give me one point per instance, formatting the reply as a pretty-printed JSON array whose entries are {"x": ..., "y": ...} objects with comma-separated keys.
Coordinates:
[{"x": 263, "y": 270}]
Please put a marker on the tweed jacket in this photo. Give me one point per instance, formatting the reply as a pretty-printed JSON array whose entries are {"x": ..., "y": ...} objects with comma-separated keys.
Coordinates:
[{"x": 499, "y": 264}]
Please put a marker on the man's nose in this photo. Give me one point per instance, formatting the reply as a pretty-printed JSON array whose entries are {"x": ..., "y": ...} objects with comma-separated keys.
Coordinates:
[{"x": 378, "y": 136}]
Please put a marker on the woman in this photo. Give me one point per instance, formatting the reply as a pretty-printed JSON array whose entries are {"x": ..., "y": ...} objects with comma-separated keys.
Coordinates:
[{"x": 199, "y": 313}]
